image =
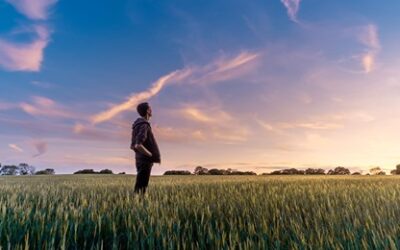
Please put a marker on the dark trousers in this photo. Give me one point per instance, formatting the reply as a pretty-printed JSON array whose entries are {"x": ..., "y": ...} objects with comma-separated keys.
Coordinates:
[{"x": 143, "y": 175}]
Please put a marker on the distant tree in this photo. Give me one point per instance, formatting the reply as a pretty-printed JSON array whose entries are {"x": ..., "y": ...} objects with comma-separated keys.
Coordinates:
[
  {"x": 314, "y": 171},
  {"x": 216, "y": 171},
  {"x": 122, "y": 173},
  {"x": 376, "y": 171},
  {"x": 230, "y": 171},
  {"x": 199, "y": 170},
  {"x": 289, "y": 171},
  {"x": 356, "y": 173},
  {"x": 397, "y": 170},
  {"x": 47, "y": 171},
  {"x": 25, "y": 169},
  {"x": 86, "y": 171},
  {"x": 9, "y": 170},
  {"x": 339, "y": 171},
  {"x": 177, "y": 172},
  {"x": 235, "y": 172},
  {"x": 106, "y": 171}
]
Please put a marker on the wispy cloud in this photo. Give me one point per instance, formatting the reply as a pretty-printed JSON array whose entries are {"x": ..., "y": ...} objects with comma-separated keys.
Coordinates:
[
  {"x": 42, "y": 106},
  {"x": 41, "y": 148},
  {"x": 370, "y": 38},
  {"x": 218, "y": 70},
  {"x": 215, "y": 124},
  {"x": 15, "y": 148},
  {"x": 292, "y": 7},
  {"x": 33, "y": 9},
  {"x": 26, "y": 56},
  {"x": 179, "y": 135},
  {"x": 135, "y": 98},
  {"x": 210, "y": 116}
]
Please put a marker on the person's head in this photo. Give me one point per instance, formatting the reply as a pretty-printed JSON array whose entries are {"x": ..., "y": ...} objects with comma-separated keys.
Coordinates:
[{"x": 144, "y": 110}]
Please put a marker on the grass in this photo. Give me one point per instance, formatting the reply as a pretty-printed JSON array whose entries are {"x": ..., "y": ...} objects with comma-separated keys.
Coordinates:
[{"x": 200, "y": 212}]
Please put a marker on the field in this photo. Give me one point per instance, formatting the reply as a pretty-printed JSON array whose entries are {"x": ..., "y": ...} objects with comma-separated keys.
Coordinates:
[{"x": 200, "y": 212}]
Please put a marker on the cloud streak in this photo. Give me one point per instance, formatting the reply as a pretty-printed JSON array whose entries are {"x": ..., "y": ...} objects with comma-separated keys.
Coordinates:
[
  {"x": 33, "y": 9},
  {"x": 370, "y": 38},
  {"x": 43, "y": 106},
  {"x": 41, "y": 148},
  {"x": 25, "y": 56},
  {"x": 219, "y": 70},
  {"x": 16, "y": 148},
  {"x": 292, "y": 7}
]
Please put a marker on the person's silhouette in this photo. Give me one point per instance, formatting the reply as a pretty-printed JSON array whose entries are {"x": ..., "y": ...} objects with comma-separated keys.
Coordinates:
[{"x": 145, "y": 146}]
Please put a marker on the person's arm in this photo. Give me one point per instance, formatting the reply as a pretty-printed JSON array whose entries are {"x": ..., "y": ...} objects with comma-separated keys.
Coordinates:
[
  {"x": 142, "y": 149},
  {"x": 140, "y": 138}
]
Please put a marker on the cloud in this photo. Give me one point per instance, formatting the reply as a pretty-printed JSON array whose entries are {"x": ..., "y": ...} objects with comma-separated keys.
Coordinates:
[
  {"x": 179, "y": 135},
  {"x": 33, "y": 9},
  {"x": 25, "y": 56},
  {"x": 41, "y": 148},
  {"x": 210, "y": 116},
  {"x": 214, "y": 124},
  {"x": 136, "y": 98},
  {"x": 292, "y": 7},
  {"x": 43, "y": 106},
  {"x": 370, "y": 38},
  {"x": 16, "y": 148},
  {"x": 218, "y": 70}
]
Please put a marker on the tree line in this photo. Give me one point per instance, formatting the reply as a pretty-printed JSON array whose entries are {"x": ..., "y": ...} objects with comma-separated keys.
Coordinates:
[
  {"x": 91, "y": 171},
  {"x": 199, "y": 170},
  {"x": 24, "y": 169}
]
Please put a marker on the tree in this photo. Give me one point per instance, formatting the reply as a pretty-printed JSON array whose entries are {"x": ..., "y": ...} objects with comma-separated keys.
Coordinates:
[
  {"x": 177, "y": 172},
  {"x": 216, "y": 171},
  {"x": 376, "y": 171},
  {"x": 235, "y": 172},
  {"x": 397, "y": 170},
  {"x": 199, "y": 170},
  {"x": 47, "y": 171},
  {"x": 9, "y": 170},
  {"x": 122, "y": 173},
  {"x": 339, "y": 171},
  {"x": 356, "y": 173},
  {"x": 106, "y": 171},
  {"x": 85, "y": 171},
  {"x": 25, "y": 169},
  {"x": 314, "y": 171},
  {"x": 289, "y": 171}
]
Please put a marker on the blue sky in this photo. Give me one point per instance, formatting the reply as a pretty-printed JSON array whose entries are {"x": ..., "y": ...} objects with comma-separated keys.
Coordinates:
[{"x": 257, "y": 85}]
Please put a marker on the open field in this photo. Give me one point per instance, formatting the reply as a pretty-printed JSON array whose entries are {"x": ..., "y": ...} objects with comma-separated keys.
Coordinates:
[{"x": 201, "y": 212}]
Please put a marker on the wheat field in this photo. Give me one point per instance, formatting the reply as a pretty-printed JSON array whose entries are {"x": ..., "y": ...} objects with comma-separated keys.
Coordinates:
[{"x": 200, "y": 212}]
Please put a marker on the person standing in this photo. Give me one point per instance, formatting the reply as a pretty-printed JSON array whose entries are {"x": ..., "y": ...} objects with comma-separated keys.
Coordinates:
[{"x": 145, "y": 146}]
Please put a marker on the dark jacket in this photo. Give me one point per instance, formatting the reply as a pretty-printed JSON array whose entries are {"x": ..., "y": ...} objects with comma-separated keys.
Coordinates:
[{"x": 142, "y": 134}]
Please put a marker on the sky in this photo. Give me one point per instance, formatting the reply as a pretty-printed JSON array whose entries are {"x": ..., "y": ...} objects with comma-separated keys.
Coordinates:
[{"x": 249, "y": 85}]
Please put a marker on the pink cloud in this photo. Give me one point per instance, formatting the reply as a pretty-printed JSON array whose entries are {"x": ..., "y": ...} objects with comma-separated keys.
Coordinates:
[
  {"x": 292, "y": 7},
  {"x": 42, "y": 106},
  {"x": 33, "y": 9},
  {"x": 15, "y": 148},
  {"x": 369, "y": 37},
  {"x": 218, "y": 70},
  {"x": 25, "y": 56},
  {"x": 41, "y": 148}
]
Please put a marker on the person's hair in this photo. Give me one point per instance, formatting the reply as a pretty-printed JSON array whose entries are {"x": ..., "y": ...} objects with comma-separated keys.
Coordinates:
[{"x": 142, "y": 108}]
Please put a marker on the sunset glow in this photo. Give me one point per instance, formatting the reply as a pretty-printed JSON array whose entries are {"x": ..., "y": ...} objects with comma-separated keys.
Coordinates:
[{"x": 247, "y": 85}]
